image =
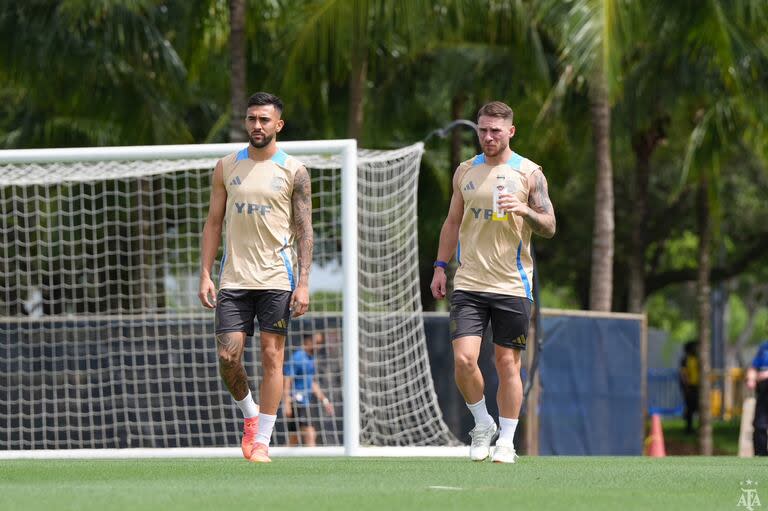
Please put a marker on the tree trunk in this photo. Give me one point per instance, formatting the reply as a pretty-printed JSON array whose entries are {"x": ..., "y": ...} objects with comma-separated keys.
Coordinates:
[
  {"x": 643, "y": 145},
  {"x": 636, "y": 260},
  {"x": 601, "y": 284},
  {"x": 457, "y": 112},
  {"x": 704, "y": 310},
  {"x": 237, "y": 70},
  {"x": 357, "y": 80}
]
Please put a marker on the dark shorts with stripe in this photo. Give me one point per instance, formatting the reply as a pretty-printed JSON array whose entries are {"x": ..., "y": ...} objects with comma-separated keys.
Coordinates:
[
  {"x": 236, "y": 310},
  {"x": 509, "y": 317}
]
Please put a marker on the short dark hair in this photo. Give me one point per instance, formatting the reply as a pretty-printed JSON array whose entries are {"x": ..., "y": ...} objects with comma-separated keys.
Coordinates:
[
  {"x": 496, "y": 109},
  {"x": 265, "y": 98}
]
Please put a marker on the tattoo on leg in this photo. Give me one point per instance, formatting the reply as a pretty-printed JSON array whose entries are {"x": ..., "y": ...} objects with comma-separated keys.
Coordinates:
[
  {"x": 226, "y": 340},
  {"x": 230, "y": 348}
]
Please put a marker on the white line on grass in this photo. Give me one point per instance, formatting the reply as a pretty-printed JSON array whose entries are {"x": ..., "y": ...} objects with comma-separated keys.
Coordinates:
[{"x": 454, "y": 488}]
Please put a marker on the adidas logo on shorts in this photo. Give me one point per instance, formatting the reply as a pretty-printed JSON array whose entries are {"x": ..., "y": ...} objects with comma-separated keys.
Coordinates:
[{"x": 280, "y": 324}]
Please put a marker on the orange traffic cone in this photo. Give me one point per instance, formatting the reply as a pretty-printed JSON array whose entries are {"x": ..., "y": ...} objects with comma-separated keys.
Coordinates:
[{"x": 655, "y": 442}]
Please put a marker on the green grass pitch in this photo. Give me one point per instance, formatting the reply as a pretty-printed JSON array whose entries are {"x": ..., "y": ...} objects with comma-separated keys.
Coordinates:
[{"x": 534, "y": 483}]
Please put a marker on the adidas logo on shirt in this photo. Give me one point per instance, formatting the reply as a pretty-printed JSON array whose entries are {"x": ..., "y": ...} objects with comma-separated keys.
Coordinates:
[
  {"x": 236, "y": 181},
  {"x": 470, "y": 186}
]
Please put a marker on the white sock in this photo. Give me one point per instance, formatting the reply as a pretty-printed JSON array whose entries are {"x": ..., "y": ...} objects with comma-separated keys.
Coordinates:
[
  {"x": 507, "y": 430},
  {"x": 480, "y": 413},
  {"x": 247, "y": 406},
  {"x": 266, "y": 424}
]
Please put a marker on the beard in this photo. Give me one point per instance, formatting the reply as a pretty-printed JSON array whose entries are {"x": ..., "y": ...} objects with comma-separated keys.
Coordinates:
[
  {"x": 264, "y": 141},
  {"x": 494, "y": 151}
]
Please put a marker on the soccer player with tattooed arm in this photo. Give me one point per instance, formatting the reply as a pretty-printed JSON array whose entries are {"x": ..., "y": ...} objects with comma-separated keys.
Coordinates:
[
  {"x": 499, "y": 200},
  {"x": 261, "y": 198}
]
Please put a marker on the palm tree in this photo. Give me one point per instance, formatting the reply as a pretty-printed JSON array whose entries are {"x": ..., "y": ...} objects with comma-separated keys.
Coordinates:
[
  {"x": 350, "y": 40},
  {"x": 729, "y": 53},
  {"x": 90, "y": 74},
  {"x": 644, "y": 143},
  {"x": 591, "y": 35},
  {"x": 84, "y": 74},
  {"x": 237, "y": 69},
  {"x": 645, "y": 114}
]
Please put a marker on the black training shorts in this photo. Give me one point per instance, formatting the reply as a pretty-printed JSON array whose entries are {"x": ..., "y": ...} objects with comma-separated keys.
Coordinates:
[
  {"x": 761, "y": 405},
  {"x": 509, "y": 317},
  {"x": 302, "y": 416},
  {"x": 237, "y": 308}
]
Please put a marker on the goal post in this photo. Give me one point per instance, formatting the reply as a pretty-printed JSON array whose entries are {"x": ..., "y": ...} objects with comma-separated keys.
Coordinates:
[{"x": 108, "y": 354}]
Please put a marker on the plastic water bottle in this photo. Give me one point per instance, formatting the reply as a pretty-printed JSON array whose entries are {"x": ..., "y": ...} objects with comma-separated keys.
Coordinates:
[{"x": 498, "y": 188}]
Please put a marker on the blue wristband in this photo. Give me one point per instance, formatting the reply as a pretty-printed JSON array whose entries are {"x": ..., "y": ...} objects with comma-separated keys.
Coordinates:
[{"x": 440, "y": 264}]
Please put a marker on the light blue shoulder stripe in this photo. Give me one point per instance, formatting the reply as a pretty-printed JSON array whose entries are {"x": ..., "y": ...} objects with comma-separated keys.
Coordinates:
[
  {"x": 242, "y": 154},
  {"x": 516, "y": 161},
  {"x": 280, "y": 157}
]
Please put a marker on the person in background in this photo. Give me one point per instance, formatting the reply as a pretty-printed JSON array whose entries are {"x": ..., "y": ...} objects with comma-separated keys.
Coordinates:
[
  {"x": 690, "y": 375},
  {"x": 757, "y": 380},
  {"x": 299, "y": 385}
]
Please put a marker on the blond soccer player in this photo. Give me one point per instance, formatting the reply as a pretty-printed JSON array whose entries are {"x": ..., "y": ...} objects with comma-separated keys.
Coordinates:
[{"x": 499, "y": 200}]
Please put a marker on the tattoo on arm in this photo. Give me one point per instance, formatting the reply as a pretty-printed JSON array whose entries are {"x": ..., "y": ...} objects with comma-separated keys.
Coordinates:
[
  {"x": 543, "y": 221},
  {"x": 540, "y": 197},
  {"x": 302, "y": 218}
]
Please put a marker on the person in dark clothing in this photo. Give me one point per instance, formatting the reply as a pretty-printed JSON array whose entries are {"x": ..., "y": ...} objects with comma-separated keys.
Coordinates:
[
  {"x": 690, "y": 378},
  {"x": 757, "y": 380}
]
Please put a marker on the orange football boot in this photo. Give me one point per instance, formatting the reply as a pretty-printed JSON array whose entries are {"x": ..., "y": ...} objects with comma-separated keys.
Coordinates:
[
  {"x": 259, "y": 454},
  {"x": 249, "y": 436}
]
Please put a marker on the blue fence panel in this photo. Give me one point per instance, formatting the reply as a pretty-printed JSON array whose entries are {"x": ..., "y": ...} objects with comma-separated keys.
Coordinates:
[{"x": 591, "y": 399}]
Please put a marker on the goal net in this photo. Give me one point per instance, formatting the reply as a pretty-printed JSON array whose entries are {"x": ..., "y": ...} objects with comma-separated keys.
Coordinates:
[{"x": 104, "y": 345}]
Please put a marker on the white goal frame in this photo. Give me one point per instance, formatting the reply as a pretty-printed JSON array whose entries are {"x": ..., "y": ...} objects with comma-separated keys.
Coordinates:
[{"x": 346, "y": 150}]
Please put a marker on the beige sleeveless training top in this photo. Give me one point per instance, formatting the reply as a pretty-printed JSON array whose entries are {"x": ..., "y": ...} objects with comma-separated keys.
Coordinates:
[
  {"x": 494, "y": 253},
  {"x": 258, "y": 245}
]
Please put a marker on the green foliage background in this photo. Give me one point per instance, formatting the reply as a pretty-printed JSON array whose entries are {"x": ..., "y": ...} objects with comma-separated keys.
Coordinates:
[{"x": 117, "y": 72}]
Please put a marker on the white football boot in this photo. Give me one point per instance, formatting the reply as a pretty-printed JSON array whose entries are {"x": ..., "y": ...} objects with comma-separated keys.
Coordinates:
[
  {"x": 504, "y": 452},
  {"x": 481, "y": 441}
]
